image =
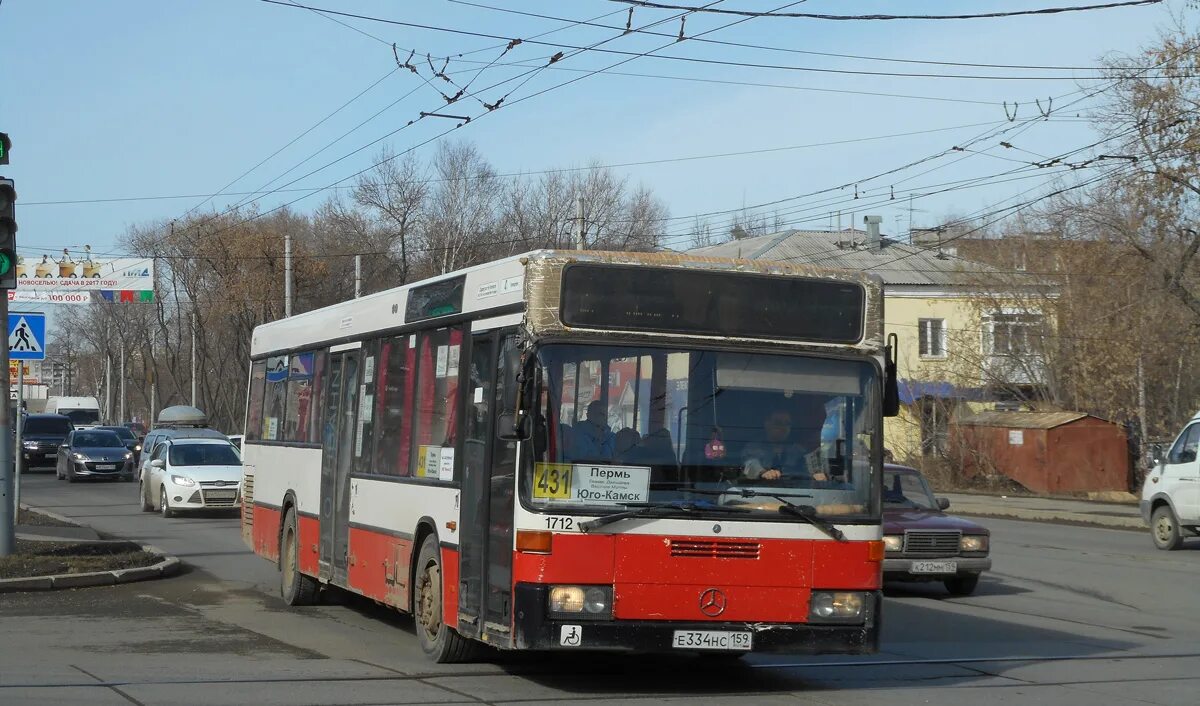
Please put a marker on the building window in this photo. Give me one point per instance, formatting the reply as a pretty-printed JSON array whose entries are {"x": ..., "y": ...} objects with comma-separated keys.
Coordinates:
[
  {"x": 933, "y": 338},
  {"x": 1014, "y": 334}
]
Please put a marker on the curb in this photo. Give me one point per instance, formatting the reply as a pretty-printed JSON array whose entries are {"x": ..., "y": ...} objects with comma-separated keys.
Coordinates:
[
  {"x": 1056, "y": 521},
  {"x": 52, "y": 515},
  {"x": 167, "y": 566}
]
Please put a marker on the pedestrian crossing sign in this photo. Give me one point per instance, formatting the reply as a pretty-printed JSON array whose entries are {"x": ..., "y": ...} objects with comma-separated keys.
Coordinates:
[{"x": 26, "y": 336}]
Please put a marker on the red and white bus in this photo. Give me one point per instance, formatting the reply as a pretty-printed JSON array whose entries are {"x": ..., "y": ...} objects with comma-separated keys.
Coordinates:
[{"x": 584, "y": 450}]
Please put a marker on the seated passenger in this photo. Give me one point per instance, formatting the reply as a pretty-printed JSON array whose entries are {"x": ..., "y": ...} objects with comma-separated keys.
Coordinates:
[
  {"x": 776, "y": 457},
  {"x": 624, "y": 443},
  {"x": 593, "y": 440}
]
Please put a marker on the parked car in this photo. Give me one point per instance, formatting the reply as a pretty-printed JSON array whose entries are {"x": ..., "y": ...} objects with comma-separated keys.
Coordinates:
[
  {"x": 1170, "y": 501},
  {"x": 41, "y": 435},
  {"x": 90, "y": 453},
  {"x": 192, "y": 474},
  {"x": 127, "y": 437},
  {"x": 922, "y": 543}
]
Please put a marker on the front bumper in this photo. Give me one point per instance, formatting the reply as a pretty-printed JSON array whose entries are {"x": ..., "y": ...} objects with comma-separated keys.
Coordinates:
[
  {"x": 902, "y": 567},
  {"x": 204, "y": 498},
  {"x": 40, "y": 458},
  {"x": 99, "y": 469},
  {"x": 536, "y": 630}
]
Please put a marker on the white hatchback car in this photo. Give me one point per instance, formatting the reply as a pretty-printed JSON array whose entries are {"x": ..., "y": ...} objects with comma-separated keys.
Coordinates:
[
  {"x": 192, "y": 474},
  {"x": 1171, "y": 493}
]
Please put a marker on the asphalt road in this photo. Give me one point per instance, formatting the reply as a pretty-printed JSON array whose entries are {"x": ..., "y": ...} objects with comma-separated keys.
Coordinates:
[{"x": 1070, "y": 615}]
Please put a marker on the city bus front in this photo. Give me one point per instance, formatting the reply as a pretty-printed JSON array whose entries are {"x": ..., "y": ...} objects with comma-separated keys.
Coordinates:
[{"x": 696, "y": 498}]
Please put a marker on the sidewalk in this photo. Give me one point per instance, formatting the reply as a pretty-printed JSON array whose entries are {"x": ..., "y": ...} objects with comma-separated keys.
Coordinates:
[{"x": 1100, "y": 514}]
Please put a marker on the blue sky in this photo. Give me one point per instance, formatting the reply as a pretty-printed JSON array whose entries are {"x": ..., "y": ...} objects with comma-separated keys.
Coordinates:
[{"x": 135, "y": 98}]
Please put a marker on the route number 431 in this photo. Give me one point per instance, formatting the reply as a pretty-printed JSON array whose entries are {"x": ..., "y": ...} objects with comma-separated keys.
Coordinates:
[{"x": 552, "y": 480}]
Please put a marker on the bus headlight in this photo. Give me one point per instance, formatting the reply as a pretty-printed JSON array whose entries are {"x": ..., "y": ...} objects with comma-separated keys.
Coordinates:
[
  {"x": 581, "y": 601},
  {"x": 836, "y": 606},
  {"x": 973, "y": 543},
  {"x": 893, "y": 542}
]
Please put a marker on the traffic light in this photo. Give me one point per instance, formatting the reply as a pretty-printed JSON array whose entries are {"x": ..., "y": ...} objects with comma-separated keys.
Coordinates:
[
  {"x": 5, "y": 147},
  {"x": 8, "y": 234}
]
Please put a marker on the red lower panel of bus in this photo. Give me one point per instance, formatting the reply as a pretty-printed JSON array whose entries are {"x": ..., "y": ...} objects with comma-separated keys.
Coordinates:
[
  {"x": 661, "y": 578},
  {"x": 309, "y": 556},
  {"x": 380, "y": 566},
  {"x": 265, "y": 531}
]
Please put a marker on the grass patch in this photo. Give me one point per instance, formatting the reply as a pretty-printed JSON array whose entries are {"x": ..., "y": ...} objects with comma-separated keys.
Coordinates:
[{"x": 34, "y": 558}]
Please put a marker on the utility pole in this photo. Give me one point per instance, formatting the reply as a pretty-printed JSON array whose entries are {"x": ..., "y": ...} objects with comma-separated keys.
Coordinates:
[
  {"x": 193, "y": 359},
  {"x": 121, "y": 403},
  {"x": 17, "y": 441},
  {"x": 357, "y": 276},
  {"x": 579, "y": 244},
  {"x": 107, "y": 388},
  {"x": 8, "y": 280},
  {"x": 287, "y": 274}
]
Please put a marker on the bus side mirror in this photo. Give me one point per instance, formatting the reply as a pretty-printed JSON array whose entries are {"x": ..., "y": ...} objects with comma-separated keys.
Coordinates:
[
  {"x": 511, "y": 427},
  {"x": 891, "y": 385}
]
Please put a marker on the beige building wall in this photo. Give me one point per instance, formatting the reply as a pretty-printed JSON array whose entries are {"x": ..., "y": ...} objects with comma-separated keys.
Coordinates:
[{"x": 903, "y": 311}]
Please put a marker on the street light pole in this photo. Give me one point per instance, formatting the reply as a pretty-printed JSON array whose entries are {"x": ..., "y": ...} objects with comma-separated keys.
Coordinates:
[
  {"x": 193, "y": 359},
  {"x": 121, "y": 403},
  {"x": 287, "y": 274},
  {"x": 8, "y": 516}
]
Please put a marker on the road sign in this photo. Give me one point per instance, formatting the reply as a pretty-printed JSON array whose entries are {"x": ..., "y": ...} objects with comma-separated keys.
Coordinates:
[{"x": 26, "y": 336}]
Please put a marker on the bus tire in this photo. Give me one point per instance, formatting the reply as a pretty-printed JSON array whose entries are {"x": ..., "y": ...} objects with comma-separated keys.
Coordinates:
[
  {"x": 439, "y": 641},
  {"x": 295, "y": 587}
]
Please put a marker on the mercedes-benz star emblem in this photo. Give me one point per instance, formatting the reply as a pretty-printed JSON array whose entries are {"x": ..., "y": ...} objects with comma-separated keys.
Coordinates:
[{"x": 712, "y": 602}]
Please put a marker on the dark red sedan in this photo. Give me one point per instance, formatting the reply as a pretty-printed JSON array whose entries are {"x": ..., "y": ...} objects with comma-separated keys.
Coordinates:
[{"x": 921, "y": 542}]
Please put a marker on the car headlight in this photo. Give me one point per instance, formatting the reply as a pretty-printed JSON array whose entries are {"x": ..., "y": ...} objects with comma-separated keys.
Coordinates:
[
  {"x": 973, "y": 543},
  {"x": 129, "y": 456},
  {"x": 581, "y": 601},
  {"x": 137, "y": 447},
  {"x": 31, "y": 444},
  {"x": 183, "y": 481},
  {"x": 79, "y": 457},
  {"x": 893, "y": 542},
  {"x": 837, "y": 607}
]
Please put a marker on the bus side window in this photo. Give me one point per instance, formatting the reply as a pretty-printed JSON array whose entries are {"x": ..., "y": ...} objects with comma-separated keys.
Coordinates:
[
  {"x": 254, "y": 403},
  {"x": 436, "y": 424},
  {"x": 393, "y": 406}
]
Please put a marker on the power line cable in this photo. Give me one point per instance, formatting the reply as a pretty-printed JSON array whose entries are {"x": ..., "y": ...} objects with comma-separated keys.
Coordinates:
[
  {"x": 790, "y": 50},
  {"x": 818, "y": 16}
]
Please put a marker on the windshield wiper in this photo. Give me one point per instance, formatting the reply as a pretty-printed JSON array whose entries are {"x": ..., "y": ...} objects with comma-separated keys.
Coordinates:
[
  {"x": 807, "y": 513},
  {"x": 644, "y": 510}
]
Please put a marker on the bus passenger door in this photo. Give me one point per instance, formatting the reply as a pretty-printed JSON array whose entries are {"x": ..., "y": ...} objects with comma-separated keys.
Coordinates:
[
  {"x": 341, "y": 406},
  {"x": 485, "y": 548}
]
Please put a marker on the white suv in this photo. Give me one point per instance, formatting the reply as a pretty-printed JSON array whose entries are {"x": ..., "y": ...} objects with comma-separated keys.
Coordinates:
[{"x": 1171, "y": 493}]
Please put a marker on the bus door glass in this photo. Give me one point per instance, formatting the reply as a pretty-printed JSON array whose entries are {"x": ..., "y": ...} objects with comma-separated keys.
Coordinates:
[{"x": 337, "y": 463}]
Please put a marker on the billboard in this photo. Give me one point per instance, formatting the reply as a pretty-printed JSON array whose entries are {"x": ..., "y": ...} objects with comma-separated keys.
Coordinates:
[
  {"x": 89, "y": 274},
  {"x": 52, "y": 297}
]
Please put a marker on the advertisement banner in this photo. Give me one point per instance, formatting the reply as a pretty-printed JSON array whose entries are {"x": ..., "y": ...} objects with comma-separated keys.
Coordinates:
[
  {"x": 24, "y": 295},
  {"x": 68, "y": 275}
]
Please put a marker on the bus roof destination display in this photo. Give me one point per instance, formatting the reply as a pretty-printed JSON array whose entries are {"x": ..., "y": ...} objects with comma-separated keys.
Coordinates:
[{"x": 712, "y": 303}]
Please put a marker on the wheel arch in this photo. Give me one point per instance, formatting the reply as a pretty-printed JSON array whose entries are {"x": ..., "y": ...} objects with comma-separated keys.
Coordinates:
[
  {"x": 289, "y": 503},
  {"x": 425, "y": 527}
]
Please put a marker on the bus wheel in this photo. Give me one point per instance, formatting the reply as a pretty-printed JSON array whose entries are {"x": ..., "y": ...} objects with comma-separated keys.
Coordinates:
[
  {"x": 296, "y": 588},
  {"x": 439, "y": 641}
]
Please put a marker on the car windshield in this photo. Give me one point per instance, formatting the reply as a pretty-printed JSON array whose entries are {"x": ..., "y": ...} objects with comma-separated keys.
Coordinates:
[
  {"x": 82, "y": 416},
  {"x": 620, "y": 426},
  {"x": 97, "y": 440},
  {"x": 204, "y": 455},
  {"x": 906, "y": 489},
  {"x": 122, "y": 432},
  {"x": 49, "y": 426}
]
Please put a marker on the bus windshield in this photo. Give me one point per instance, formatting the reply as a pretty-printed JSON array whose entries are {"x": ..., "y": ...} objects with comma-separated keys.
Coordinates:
[{"x": 623, "y": 426}]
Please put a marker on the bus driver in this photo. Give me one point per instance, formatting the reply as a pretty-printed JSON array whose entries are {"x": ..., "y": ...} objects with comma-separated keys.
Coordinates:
[{"x": 777, "y": 457}]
